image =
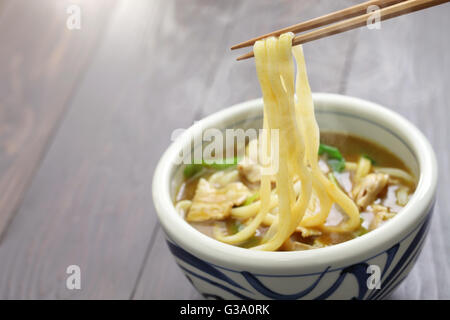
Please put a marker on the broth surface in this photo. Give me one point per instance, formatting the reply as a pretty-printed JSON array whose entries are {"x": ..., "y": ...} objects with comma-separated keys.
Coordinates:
[{"x": 352, "y": 149}]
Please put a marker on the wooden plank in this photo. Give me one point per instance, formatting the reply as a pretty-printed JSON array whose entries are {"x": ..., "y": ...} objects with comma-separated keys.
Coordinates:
[
  {"x": 161, "y": 266},
  {"x": 41, "y": 62},
  {"x": 232, "y": 82},
  {"x": 90, "y": 202},
  {"x": 405, "y": 66}
]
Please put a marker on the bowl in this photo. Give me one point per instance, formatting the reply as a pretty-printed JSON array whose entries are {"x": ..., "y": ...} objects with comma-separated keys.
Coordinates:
[{"x": 367, "y": 267}]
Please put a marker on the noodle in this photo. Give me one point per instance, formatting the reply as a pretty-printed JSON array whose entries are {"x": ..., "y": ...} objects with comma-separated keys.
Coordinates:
[
  {"x": 399, "y": 173},
  {"x": 281, "y": 76},
  {"x": 265, "y": 190},
  {"x": 303, "y": 194},
  {"x": 363, "y": 168}
]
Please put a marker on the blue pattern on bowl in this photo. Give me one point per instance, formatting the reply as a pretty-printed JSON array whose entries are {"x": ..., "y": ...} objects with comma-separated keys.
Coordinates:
[{"x": 214, "y": 276}]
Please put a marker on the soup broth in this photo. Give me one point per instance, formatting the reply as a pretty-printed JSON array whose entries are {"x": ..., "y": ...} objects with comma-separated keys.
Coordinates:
[{"x": 358, "y": 155}]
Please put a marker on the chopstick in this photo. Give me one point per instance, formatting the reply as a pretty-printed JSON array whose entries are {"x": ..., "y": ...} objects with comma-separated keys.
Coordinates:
[
  {"x": 386, "y": 13},
  {"x": 330, "y": 18}
]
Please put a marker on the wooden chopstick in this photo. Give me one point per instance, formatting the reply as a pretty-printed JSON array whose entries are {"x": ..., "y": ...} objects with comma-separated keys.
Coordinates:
[
  {"x": 386, "y": 13},
  {"x": 330, "y": 18}
]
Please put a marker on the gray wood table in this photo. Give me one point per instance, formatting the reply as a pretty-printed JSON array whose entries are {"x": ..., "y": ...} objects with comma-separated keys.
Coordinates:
[{"x": 86, "y": 113}]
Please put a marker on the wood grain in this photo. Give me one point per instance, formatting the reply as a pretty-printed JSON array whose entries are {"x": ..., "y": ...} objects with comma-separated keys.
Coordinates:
[
  {"x": 162, "y": 278},
  {"x": 405, "y": 66},
  {"x": 90, "y": 202},
  {"x": 90, "y": 127},
  {"x": 41, "y": 61}
]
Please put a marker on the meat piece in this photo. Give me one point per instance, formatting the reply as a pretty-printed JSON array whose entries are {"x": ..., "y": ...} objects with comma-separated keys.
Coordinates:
[
  {"x": 216, "y": 203},
  {"x": 368, "y": 188},
  {"x": 250, "y": 170},
  {"x": 223, "y": 177},
  {"x": 249, "y": 167},
  {"x": 308, "y": 232}
]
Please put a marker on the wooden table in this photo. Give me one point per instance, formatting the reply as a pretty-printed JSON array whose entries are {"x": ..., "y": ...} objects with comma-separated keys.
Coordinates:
[{"x": 86, "y": 113}]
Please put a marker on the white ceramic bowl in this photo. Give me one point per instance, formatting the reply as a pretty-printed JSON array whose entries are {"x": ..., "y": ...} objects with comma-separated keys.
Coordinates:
[{"x": 341, "y": 271}]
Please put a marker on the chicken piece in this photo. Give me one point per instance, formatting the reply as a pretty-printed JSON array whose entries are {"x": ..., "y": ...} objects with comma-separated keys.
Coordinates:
[
  {"x": 378, "y": 208},
  {"x": 383, "y": 212},
  {"x": 221, "y": 178},
  {"x": 308, "y": 232},
  {"x": 368, "y": 188},
  {"x": 379, "y": 211},
  {"x": 250, "y": 170},
  {"x": 249, "y": 167},
  {"x": 215, "y": 203}
]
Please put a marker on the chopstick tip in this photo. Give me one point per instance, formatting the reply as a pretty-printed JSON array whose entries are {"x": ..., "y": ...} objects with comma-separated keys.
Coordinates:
[{"x": 245, "y": 56}]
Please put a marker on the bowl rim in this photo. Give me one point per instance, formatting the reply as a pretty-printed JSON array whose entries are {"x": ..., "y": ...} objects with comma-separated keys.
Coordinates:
[{"x": 234, "y": 258}]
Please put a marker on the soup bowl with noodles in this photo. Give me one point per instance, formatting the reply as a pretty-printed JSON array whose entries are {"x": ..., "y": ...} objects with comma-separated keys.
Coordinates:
[{"x": 369, "y": 266}]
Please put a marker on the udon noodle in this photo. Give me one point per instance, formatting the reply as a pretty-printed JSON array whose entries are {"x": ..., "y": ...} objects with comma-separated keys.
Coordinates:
[{"x": 298, "y": 145}]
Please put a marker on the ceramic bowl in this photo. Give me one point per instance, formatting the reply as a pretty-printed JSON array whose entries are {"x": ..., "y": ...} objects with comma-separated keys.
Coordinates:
[{"x": 368, "y": 267}]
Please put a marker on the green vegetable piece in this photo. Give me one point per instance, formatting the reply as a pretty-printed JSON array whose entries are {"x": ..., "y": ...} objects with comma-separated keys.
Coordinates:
[
  {"x": 251, "y": 199},
  {"x": 234, "y": 226},
  {"x": 332, "y": 152},
  {"x": 337, "y": 165},
  {"x": 369, "y": 158},
  {"x": 191, "y": 170},
  {"x": 361, "y": 231},
  {"x": 336, "y": 161},
  {"x": 224, "y": 164},
  {"x": 251, "y": 242}
]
